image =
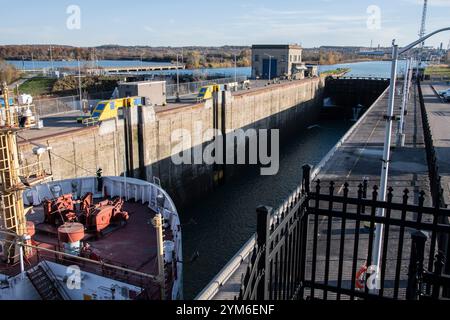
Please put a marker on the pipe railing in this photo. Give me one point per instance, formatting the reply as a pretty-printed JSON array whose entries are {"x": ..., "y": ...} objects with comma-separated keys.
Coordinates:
[{"x": 224, "y": 275}]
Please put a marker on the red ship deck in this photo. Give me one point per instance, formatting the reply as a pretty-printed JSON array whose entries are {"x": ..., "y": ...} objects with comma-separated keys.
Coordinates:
[{"x": 132, "y": 246}]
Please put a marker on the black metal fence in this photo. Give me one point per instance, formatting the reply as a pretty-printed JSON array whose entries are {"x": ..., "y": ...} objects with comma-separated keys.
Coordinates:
[
  {"x": 433, "y": 168},
  {"x": 319, "y": 245}
]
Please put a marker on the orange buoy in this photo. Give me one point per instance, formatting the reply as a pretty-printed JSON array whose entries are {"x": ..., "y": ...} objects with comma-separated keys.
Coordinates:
[{"x": 360, "y": 277}]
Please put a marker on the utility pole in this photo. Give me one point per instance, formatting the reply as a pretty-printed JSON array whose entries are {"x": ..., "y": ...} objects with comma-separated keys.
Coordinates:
[
  {"x": 32, "y": 61},
  {"x": 178, "y": 80},
  {"x": 51, "y": 57},
  {"x": 400, "y": 132},
  {"x": 79, "y": 85},
  {"x": 235, "y": 67}
]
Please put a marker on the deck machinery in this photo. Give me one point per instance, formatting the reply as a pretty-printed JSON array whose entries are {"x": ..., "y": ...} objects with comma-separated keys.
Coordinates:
[{"x": 45, "y": 227}]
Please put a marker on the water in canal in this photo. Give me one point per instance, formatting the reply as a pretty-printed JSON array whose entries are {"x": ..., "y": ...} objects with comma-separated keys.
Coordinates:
[{"x": 223, "y": 221}]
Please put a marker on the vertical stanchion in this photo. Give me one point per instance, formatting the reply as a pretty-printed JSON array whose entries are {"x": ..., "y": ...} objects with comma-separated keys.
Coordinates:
[
  {"x": 263, "y": 228},
  {"x": 413, "y": 289},
  {"x": 157, "y": 223}
]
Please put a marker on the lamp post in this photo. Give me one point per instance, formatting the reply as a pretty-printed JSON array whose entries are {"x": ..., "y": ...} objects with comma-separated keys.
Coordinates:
[
  {"x": 400, "y": 131},
  {"x": 51, "y": 57},
  {"x": 79, "y": 85},
  {"x": 178, "y": 80},
  {"x": 270, "y": 65},
  {"x": 235, "y": 67},
  {"x": 376, "y": 253}
]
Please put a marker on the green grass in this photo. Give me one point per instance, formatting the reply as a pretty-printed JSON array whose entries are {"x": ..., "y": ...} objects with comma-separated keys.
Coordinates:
[
  {"x": 335, "y": 71},
  {"x": 37, "y": 86},
  {"x": 441, "y": 70}
]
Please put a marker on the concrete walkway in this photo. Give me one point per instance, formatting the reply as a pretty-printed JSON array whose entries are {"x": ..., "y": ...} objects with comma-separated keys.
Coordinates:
[
  {"x": 360, "y": 156},
  {"x": 439, "y": 118}
]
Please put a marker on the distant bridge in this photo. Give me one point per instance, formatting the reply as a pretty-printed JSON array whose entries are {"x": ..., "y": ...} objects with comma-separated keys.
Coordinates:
[{"x": 135, "y": 69}]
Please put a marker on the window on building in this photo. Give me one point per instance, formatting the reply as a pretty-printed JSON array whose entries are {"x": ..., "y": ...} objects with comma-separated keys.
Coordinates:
[
  {"x": 291, "y": 58},
  {"x": 256, "y": 57}
]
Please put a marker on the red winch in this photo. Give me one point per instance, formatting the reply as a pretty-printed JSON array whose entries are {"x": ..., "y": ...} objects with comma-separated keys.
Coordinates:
[
  {"x": 97, "y": 217},
  {"x": 94, "y": 217},
  {"x": 59, "y": 211}
]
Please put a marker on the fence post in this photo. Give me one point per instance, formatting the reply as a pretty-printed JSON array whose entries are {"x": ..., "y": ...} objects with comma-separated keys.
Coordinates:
[
  {"x": 306, "y": 178},
  {"x": 438, "y": 269},
  {"x": 415, "y": 269},
  {"x": 264, "y": 214}
]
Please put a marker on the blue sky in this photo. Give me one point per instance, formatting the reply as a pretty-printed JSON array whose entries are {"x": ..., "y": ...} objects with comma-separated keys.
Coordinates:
[{"x": 233, "y": 22}]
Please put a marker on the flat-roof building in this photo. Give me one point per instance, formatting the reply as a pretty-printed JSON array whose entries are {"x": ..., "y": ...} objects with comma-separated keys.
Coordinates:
[
  {"x": 153, "y": 91},
  {"x": 273, "y": 61}
]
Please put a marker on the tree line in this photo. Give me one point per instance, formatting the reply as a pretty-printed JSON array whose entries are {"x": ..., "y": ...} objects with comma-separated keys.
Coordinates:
[{"x": 192, "y": 57}]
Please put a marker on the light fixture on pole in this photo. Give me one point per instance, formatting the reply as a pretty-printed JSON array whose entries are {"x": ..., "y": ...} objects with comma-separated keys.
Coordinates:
[
  {"x": 377, "y": 249},
  {"x": 178, "y": 80},
  {"x": 400, "y": 132},
  {"x": 79, "y": 85},
  {"x": 51, "y": 58},
  {"x": 235, "y": 67}
]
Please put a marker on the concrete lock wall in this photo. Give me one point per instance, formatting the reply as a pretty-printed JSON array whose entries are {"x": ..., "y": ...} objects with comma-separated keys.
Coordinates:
[
  {"x": 142, "y": 141},
  {"x": 81, "y": 152}
]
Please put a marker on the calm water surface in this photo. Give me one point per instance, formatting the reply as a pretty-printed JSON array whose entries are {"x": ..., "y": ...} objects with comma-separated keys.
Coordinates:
[{"x": 223, "y": 221}]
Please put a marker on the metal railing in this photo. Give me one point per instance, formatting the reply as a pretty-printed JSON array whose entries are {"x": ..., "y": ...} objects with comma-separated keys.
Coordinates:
[
  {"x": 433, "y": 167},
  {"x": 51, "y": 275},
  {"x": 68, "y": 104},
  {"x": 315, "y": 246},
  {"x": 194, "y": 87}
]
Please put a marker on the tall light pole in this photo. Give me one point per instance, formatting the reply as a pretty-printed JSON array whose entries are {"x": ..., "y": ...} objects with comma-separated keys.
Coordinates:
[
  {"x": 178, "y": 80},
  {"x": 376, "y": 253},
  {"x": 79, "y": 85},
  {"x": 51, "y": 57},
  {"x": 235, "y": 67},
  {"x": 270, "y": 65},
  {"x": 400, "y": 132},
  {"x": 32, "y": 61}
]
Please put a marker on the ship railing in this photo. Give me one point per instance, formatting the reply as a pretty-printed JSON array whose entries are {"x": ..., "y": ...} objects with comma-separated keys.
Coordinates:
[
  {"x": 33, "y": 173},
  {"x": 104, "y": 268},
  {"x": 128, "y": 188}
]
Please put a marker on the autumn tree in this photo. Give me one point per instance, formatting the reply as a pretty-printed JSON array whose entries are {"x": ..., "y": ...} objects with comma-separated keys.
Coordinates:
[{"x": 8, "y": 73}]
